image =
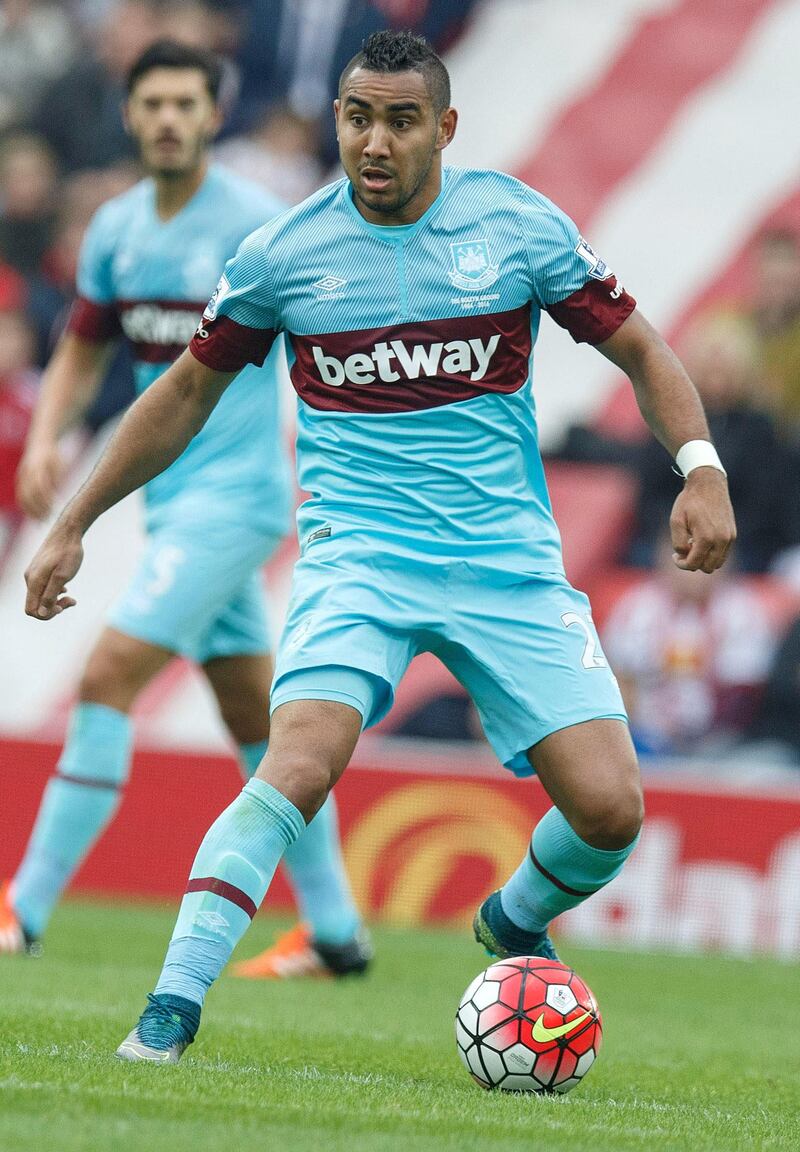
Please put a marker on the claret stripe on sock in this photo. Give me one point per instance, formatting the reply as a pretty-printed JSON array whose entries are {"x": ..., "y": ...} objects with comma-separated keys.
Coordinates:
[
  {"x": 224, "y": 889},
  {"x": 558, "y": 883},
  {"x": 112, "y": 785}
]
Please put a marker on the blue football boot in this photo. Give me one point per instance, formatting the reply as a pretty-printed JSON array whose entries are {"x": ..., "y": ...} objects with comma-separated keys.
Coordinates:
[
  {"x": 502, "y": 938},
  {"x": 165, "y": 1030}
]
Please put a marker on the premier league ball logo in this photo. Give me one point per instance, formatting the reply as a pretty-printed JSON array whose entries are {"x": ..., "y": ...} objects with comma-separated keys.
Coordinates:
[{"x": 472, "y": 265}]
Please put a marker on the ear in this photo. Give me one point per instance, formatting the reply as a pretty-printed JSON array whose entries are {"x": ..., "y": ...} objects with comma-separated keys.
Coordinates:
[
  {"x": 216, "y": 123},
  {"x": 337, "y": 104},
  {"x": 126, "y": 122},
  {"x": 448, "y": 122}
]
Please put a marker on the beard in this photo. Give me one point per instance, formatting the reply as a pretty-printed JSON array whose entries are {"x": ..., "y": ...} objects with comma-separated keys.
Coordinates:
[
  {"x": 385, "y": 207},
  {"x": 187, "y": 159}
]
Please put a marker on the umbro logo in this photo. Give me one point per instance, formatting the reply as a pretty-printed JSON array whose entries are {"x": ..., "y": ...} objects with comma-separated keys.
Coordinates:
[
  {"x": 213, "y": 921},
  {"x": 329, "y": 284}
]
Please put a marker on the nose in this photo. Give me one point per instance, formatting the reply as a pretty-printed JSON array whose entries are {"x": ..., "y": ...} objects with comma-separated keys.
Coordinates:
[
  {"x": 168, "y": 117},
  {"x": 377, "y": 144}
]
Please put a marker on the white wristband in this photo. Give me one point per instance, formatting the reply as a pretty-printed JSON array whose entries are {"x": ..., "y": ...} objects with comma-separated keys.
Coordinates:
[{"x": 698, "y": 454}]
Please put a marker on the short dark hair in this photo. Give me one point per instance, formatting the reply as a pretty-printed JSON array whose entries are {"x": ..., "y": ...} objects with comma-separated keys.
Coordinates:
[
  {"x": 390, "y": 51},
  {"x": 174, "y": 54}
]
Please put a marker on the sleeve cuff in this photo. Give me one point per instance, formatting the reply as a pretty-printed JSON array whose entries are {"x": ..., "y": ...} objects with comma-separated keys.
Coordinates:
[
  {"x": 226, "y": 346},
  {"x": 94, "y": 321},
  {"x": 594, "y": 312}
]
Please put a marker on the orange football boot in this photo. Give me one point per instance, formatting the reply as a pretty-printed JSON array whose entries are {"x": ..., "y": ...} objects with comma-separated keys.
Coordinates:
[
  {"x": 296, "y": 955},
  {"x": 12, "y": 936}
]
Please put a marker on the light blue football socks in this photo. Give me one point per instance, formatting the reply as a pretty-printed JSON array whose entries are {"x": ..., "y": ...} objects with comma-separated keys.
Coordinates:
[
  {"x": 319, "y": 880},
  {"x": 77, "y": 805},
  {"x": 315, "y": 868},
  {"x": 250, "y": 756},
  {"x": 228, "y": 881},
  {"x": 559, "y": 872}
]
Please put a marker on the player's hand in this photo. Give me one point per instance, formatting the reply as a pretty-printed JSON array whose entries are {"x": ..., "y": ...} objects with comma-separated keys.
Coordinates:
[
  {"x": 702, "y": 523},
  {"x": 38, "y": 477},
  {"x": 56, "y": 562}
]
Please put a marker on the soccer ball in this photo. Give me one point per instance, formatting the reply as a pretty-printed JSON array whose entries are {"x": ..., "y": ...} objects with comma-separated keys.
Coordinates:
[{"x": 528, "y": 1025}]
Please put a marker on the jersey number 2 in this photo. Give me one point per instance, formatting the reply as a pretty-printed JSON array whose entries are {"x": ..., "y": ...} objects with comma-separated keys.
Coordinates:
[{"x": 592, "y": 656}]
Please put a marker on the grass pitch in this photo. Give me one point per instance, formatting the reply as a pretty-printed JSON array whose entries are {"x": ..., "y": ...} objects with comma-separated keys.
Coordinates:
[{"x": 699, "y": 1054}]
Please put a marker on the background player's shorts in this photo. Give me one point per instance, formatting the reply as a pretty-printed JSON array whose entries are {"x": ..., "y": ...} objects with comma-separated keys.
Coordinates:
[
  {"x": 198, "y": 589},
  {"x": 523, "y": 645}
]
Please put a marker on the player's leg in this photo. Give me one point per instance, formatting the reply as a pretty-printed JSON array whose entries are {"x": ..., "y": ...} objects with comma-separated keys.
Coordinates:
[
  {"x": 526, "y": 649},
  {"x": 83, "y": 795},
  {"x": 178, "y": 588},
  {"x": 310, "y": 744},
  {"x": 320, "y": 702},
  {"x": 331, "y": 939},
  {"x": 590, "y": 772}
]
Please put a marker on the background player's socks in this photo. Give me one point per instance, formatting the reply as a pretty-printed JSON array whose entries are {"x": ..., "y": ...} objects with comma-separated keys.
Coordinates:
[
  {"x": 250, "y": 756},
  {"x": 77, "y": 804},
  {"x": 315, "y": 868},
  {"x": 559, "y": 872},
  {"x": 228, "y": 881},
  {"x": 319, "y": 880}
]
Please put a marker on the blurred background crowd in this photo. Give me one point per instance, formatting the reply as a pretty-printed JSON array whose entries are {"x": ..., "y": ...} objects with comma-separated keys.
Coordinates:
[
  {"x": 64, "y": 150},
  {"x": 708, "y": 666}
]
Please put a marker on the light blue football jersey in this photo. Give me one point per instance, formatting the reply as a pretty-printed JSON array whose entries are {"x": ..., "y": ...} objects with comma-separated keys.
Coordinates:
[
  {"x": 410, "y": 349},
  {"x": 149, "y": 280}
]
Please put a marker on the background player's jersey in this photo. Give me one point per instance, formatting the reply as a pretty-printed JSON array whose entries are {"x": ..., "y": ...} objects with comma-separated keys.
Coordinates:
[
  {"x": 149, "y": 280},
  {"x": 410, "y": 349}
]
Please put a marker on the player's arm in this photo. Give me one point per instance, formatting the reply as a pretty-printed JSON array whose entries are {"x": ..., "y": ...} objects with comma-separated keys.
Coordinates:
[
  {"x": 76, "y": 370},
  {"x": 702, "y": 521},
  {"x": 153, "y": 433},
  {"x": 69, "y": 386},
  {"x": 582, "y": 294}
]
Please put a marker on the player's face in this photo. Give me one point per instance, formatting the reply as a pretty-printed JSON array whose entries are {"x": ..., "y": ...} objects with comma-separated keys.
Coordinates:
[
  {"x": 172, "y": 117},
  {"x": 390, "y": 144}
]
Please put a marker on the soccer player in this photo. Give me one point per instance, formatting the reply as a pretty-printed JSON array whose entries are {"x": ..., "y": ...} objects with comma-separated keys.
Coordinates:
[
  {"x": 410, "y": 296},
  {"x": 149, "y": 262}
]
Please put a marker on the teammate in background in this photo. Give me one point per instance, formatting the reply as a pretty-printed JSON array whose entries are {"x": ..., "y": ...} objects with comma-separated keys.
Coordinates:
[
  {"x": 411, "y": 298},
  {"x": 149, "y": 261}
]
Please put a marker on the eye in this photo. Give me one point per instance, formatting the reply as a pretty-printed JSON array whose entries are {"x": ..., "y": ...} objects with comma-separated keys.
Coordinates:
[
  {"x": 402, "y": 124},
  {"x": 357, "y": 120}
]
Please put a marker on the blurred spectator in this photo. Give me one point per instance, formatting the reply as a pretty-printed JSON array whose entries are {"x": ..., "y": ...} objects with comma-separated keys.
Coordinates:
[
  {"x": 691, "y": 653},
  {"x": 28, "y": 195},
  {"x": 763, "y": 474},
  {"x": 80, "y": 113},
  {"x": 37, "y": 44},
  {"x": 214, "y": 25},
  {"x": 721, "y": 354},
  {"x": 775, "y": 732},
  {"x": 292, "y": 51},
  {"x": 279, "y": 153},
  {"x": 18, "y": 384},
  {"x": 775, "y": 314},
  {"x": 51, "y": 277},
  {"x": 286, "y": 52},
  {"x": 210, "y": 24}
]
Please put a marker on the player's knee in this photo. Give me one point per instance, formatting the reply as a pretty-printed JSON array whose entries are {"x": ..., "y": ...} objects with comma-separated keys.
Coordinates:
[
  {"x": 612, "y": 822},
  {"x": 109, "y": 678},
  {"x": 304, "y": 780}
]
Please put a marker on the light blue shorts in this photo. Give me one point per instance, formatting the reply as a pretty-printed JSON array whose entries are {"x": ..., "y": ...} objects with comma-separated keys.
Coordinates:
[
  {"x": 198, "y": 590},
  {"x": 523, "y": 645}
]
